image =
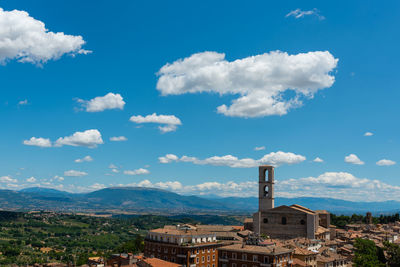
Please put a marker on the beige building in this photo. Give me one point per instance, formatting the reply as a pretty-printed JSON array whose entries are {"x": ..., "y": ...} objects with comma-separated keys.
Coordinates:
[{"x": 286, "y": 221}]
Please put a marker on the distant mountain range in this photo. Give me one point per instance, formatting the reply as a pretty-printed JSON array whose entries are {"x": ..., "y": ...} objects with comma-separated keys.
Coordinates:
[{"x": 151, "y": 200}]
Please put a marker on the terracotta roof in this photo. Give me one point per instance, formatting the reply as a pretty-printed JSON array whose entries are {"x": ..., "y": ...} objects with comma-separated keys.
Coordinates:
[
  {"x": 269, "y": 250},
  {"x": 154, "y": 262},
  {"x": 301, "y": 208},
  {"x": 180, "y": 232},
  {"x": 303, "y": 251},
  {"x": 298, "y": 263}
]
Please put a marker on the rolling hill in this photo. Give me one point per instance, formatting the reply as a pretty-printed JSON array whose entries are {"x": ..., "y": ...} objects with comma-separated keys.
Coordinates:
[{"x": 151, "y": 200}]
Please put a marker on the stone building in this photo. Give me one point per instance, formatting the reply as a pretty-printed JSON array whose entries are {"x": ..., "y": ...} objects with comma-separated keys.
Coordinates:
[
  {"x": 184, "y": 246},
  {"x": 243, "y": 255},
  {"x": 285, "y": 221}
]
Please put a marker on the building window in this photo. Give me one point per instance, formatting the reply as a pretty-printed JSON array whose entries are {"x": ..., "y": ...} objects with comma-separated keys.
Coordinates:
[
  {"x": 197, "y": 251},
  {"x": 266, "y": 260},
  {"x": 284, "y": 220},
  {"x": 208, "y": 258},
  {"x": 303, "y": 222},
  {"x": 244, "y": 257},
  {"x": 244, "y": 265},
  {"x": 213, "y": 257},
  {"x": 203, "y": 259},
  {"x": 233, "y": 264},
  {"x": 214, "y": 249},
  {"x": 255, "y": 258},
  {"x": 165, "y": 250},
  {"x": 173, "y": 250},
  {"x": 233, "y": 255},
  {"x": 265, "y": 220},
  {"x": 197, "y": 260}
]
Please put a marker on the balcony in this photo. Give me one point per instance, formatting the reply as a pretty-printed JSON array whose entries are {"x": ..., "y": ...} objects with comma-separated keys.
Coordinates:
[
  {"x": 193, "y": 255},
  {"x": 181, "y": 255},
  {"x": 265, "y": 264}
]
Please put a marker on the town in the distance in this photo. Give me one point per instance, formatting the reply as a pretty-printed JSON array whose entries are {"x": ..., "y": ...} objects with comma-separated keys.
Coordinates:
[{"x": 283, "y": 236}]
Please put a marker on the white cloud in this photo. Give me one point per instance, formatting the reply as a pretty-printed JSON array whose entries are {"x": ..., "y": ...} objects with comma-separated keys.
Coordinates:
[
  {"x": 259, "y": 148},
  {"x": 38, "y": 141},
  {"x": 7, "y": 179},
  {"x": 298, "y": 13},
  {"x": 88, "y": 138},
  {"x": 31, "y": 180},
  {"x": 101, "y": 103},
  {"x": 137, "y": 172},
  {"x": 97, "y": 186},
  {"x": 273, "y": 158},
  {"x": 23, "y": 102},
  {"x": 113, "y": 166},
  {"x": 84, "y": 159},
  {"x": 74, "y": 173},
  {"x": 170, "y": 121},
  {"x": 341, "y": 185},
  {"x": 27, "y": 40},
  {"x": 385, "y": 162},
  {"x": 353, "y": 159},
  {"x": 261, "y": 82},
  {"x": 368, "y": 134},
  {"x": 317, "y": 159},
  {"x": 115, "y": 170},
  {"x": 57, "y": 178},
  {"x": 118, "y": 138}
]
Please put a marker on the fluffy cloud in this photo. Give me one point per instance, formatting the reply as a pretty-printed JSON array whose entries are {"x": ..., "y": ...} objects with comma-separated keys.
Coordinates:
[
  {"x": 38, "y": 141},
  {"x": 368, "y": 134},
  {"x": 84, "y": 159},
  {"x": 318, "y": 160},
  {"x": 74, "y": 173},
  {"x": 31, "y": 180},
  {"x": 353, "y": 159},
  {"x": 88, "y": 138},
  {"x": 118, "y": 138},
  {"x": 261, "y": 82},
  {"x": 341, "y": 185},
  {"x": 137, "y": 172},
  {"x": 298, "y": 13},
  {"x": 385, "y": 162},
  {"x": 27, "y": 40},
  {"x": 259, "y": 148},
  {"x": 23, "y": 102},
  {"x": 273, "y": 158},
  {"x": 7, "y": 179},
  {"x": 101, "y": 103},
  {"x": 170, "y": 122},
  {"x": 338, "y": 185}
]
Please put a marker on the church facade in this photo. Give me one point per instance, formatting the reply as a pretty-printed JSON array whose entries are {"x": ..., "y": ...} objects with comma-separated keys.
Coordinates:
[{"x": 286, "y": 221}]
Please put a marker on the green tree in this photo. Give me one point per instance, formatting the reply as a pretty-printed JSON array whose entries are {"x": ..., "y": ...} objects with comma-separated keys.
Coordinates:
[
  {"x": 366, "y": 254},
  {"x": 392, "y": 254}
]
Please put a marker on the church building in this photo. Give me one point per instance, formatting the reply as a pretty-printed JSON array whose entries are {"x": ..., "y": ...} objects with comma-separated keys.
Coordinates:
[{"x": 286, "y": 222}]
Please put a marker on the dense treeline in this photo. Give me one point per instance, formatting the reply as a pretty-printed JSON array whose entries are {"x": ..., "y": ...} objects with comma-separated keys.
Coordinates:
[
  {"x": 28, "y": 238},
  {"x": 342, "y": 220},
  {"x": 367, "y": 254}
]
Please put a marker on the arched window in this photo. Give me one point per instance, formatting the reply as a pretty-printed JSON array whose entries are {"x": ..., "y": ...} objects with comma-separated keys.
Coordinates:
[
  {"x": 283, "y": 220},
  {"x": 302, "y": 222},
  {"x": 266, "y": 191},
  {"x": 265, "y": 220}
]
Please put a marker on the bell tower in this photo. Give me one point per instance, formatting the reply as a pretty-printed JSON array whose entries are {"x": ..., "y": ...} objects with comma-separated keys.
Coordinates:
[{"x": 266, "y": 188}]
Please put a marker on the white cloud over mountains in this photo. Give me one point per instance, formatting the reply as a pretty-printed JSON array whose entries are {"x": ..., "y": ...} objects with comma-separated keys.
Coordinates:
[
  {"x": 353, "y": 159},
  {"x": 170, "y": 122},
  {"x": 101, "y": 103},
  {"x": 340, "y": 185},
  {"x": 89, "y": 138},
  {"x": 273, "y": 158},
  {"x": 27, "y": 40},
  {"x": 260, "y": 82}
]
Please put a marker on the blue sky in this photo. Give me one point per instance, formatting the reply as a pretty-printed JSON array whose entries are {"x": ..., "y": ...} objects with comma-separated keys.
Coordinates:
[{"x": 327, "y": 67}]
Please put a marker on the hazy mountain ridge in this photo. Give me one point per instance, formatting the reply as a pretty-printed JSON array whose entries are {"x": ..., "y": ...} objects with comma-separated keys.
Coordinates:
[{"x": 139, "y": 199}]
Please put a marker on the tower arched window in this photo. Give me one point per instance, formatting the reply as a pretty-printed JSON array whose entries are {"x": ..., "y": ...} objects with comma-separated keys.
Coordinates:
[
  {"x": 265, "y": 220},
  {"x": 266, "y": 191},
  {"x": 302, "y": 222},
  {"x": 284, "y": 220}
]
